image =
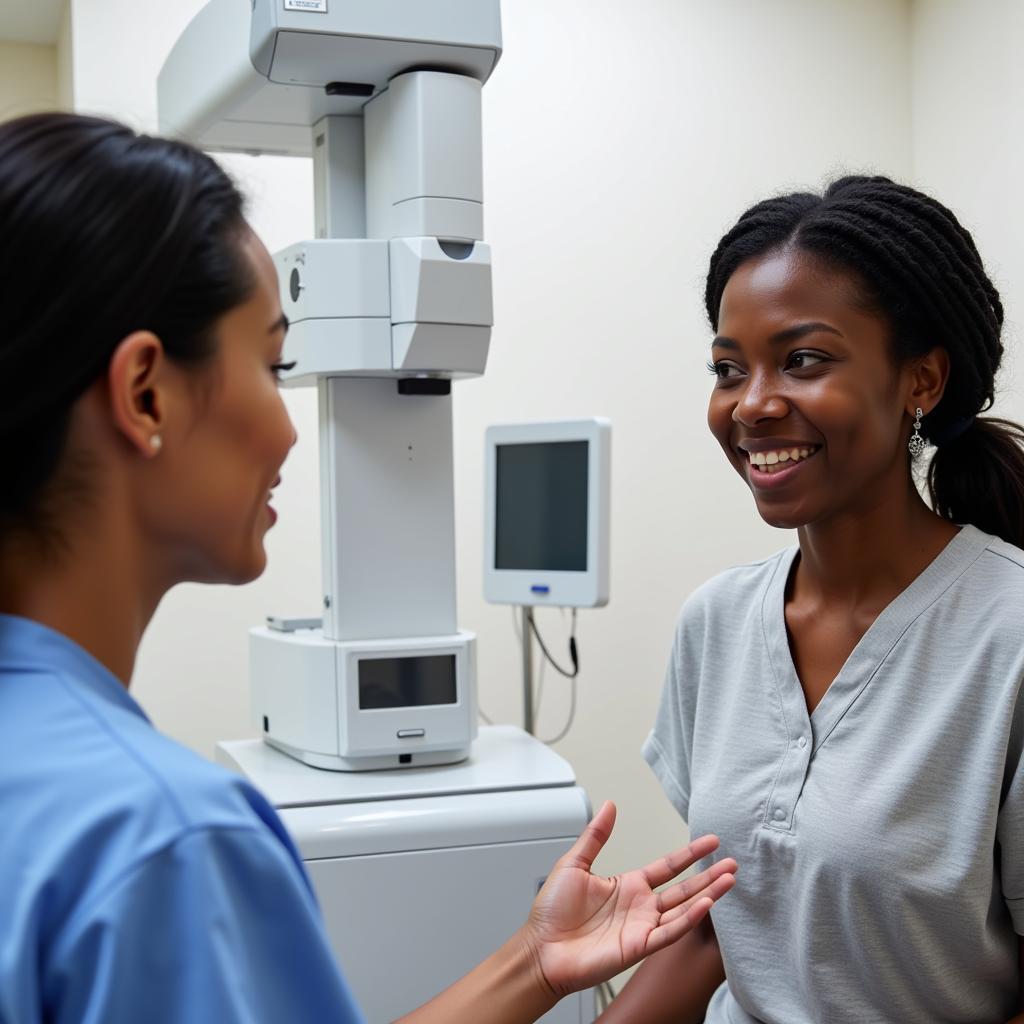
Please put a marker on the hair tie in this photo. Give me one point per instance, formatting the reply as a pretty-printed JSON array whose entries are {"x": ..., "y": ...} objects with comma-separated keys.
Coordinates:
[{"x": 951, "y": 431}]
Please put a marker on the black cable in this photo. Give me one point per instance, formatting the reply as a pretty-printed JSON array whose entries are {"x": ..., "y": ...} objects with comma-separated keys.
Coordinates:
[{"x": 573, "y": 652}]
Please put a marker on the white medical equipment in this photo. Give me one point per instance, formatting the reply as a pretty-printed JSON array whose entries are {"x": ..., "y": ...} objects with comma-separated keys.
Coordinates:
[
  {"x": 389, "y": 304},
  {"x": 548, "y": 512},
  {"x": 421, "y": 873},
  {"x": 547, "y": 528}
]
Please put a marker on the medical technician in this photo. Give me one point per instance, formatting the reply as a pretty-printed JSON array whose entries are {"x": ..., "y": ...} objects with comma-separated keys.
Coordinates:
[
  {"x": 142, "y": 432},
  {"x": 848, "y": 715}
]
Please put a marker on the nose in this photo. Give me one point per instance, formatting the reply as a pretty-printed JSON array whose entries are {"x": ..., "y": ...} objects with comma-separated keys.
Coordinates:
[{"x": 760, "y": 400}]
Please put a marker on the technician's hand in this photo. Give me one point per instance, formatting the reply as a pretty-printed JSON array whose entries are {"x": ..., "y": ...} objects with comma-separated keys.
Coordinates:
[{"x": 585, "y": 929}]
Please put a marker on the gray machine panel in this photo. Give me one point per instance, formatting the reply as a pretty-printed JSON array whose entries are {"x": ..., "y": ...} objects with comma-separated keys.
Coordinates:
[{"x": 256, "y": 82}]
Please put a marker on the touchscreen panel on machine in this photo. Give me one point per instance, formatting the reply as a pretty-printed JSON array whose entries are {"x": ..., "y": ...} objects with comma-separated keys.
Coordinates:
[
  {"x": 541, "y": 513},
  {"x": 407, "y": 682}
]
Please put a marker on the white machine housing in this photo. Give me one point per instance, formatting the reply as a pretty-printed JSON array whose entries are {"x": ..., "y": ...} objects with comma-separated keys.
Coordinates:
[
  {"x": 323, "y": 719},
  {"x": 253, "y": 77},
  {"x": 542, "y": 582},
  {"x": 420, "y": 874},
  {"x": 388, "y": 304}
]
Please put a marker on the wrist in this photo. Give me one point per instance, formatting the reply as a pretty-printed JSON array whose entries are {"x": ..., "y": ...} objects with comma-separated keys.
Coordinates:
[{"x": 524, "y": 947}]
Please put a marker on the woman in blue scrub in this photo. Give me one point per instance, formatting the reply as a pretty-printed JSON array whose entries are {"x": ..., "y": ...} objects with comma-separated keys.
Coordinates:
[
  {"x": 848, "y": 715},
  {"x": 142, "y": 432}
]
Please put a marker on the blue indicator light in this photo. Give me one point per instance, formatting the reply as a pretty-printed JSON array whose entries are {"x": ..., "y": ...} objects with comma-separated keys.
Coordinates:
[{"x": 539, "y": 588}]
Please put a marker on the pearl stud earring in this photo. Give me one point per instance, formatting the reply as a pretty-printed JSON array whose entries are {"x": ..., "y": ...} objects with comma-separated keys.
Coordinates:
[{"x": 156, "y": 442}]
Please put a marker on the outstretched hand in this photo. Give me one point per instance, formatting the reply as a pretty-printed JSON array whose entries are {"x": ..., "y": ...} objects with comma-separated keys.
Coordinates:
[{"x": 584, "y": 929}]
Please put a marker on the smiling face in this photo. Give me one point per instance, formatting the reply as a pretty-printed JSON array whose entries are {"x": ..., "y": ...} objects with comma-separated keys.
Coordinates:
[
  {"x": 808, "y": 404},
  {"x": 210, "y": 508}
]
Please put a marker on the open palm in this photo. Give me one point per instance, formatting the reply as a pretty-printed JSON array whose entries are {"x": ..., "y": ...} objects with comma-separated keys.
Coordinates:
[{"x": 586, "y": 928}]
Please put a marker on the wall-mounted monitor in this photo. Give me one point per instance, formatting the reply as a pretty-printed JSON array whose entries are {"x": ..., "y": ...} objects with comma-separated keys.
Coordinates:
[{"x": 547, "y": 528}]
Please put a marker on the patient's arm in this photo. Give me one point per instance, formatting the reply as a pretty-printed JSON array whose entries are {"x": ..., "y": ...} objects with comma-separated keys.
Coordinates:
[{"x": 673, "y": 986}]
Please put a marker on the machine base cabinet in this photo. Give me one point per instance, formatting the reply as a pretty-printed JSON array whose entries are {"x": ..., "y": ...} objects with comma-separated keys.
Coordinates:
[
  {"x": 422, "y": 872},
  {"x": 401, "y": 923}
]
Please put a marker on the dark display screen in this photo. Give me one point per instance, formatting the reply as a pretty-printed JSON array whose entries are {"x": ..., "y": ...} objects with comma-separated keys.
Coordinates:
[
  {"x": 406, "y": 682},
  {"x": 541, "y": 506}
]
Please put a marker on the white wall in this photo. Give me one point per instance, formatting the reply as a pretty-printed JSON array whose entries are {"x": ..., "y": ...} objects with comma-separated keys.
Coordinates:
[
  {"x": 968, "y": 88},
  {"x": 28, "y": 78},
  {"x": 620, "y": 141}
]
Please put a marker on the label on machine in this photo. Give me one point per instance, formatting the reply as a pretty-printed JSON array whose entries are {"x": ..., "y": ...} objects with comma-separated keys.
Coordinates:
[{"x": 316, "y": 6}]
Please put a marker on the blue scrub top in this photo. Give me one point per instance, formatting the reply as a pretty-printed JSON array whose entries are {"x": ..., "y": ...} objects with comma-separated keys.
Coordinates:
[{"x": 139, "y": 882}]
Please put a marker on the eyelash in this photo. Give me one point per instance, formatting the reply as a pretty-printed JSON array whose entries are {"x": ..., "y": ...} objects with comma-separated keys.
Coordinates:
[
  {"x": 278, "y": 368},
  {"x": 715, "y": 368}
]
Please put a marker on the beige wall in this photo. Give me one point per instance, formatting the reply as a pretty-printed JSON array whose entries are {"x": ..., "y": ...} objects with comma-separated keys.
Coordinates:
[
  {"x": 620, "y": 141},
  {"x": 968, "y": 91},
  {"x": 65, "y": 60},
  {"x": 28, "y": 78}
]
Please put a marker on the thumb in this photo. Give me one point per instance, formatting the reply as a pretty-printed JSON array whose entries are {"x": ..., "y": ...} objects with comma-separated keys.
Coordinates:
[{"x": 585, "y": 850}]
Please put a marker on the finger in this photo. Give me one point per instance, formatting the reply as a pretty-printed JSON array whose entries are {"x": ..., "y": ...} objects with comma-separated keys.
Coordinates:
[
  {"x": 718, "y": 888},
  {"x": 590, "y": 843},
  {"x": 672, "y": 931},
  {"x": 680, "y": 893},
  {"x": 666, "y": 868}
]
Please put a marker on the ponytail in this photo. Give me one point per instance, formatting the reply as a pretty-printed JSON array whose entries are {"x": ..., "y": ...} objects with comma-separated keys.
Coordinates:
[{"x": 978, "y": 478}]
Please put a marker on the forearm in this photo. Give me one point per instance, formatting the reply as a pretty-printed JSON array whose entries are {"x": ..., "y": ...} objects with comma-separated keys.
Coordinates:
[
  {"x": 673, "y": 986},
  {"x": 507, "y": 988}
]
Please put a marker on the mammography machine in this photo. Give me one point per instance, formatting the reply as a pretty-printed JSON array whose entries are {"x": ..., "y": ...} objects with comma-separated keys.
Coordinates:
[{"x": 423, "y": 868}]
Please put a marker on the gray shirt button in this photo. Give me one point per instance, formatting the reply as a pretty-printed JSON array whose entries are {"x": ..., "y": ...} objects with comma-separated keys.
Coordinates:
[
  {"x": 802, "y": 741},
  {"x": 780, "y": 814}
]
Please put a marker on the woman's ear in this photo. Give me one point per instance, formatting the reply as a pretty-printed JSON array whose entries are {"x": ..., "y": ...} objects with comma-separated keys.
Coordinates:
[
  {"x": 928, "y": 380},
  {"x": 138, "y": 386}
]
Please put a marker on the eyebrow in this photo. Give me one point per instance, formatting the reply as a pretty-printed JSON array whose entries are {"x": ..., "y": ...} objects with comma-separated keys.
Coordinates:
[
  {"x": 280, "y": 324},
  {"x": 787, "y": 334}
]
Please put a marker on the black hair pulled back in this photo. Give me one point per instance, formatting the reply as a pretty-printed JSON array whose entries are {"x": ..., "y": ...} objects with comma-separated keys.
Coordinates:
[
  {"x": 919, "y": 269},
  {"x": 102, "y": 232}
]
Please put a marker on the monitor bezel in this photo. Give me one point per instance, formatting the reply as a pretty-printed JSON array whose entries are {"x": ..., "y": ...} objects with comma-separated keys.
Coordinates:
[{"x": 586, "y": 589}]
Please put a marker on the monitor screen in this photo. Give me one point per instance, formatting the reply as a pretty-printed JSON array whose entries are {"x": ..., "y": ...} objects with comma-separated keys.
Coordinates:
[
  {"x": 541, "y": 506},
  {"x": 406, "y": 682}
]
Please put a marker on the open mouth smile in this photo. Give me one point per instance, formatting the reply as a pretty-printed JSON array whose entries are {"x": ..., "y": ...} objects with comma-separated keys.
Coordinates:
[{"x": 770, "y": 463}]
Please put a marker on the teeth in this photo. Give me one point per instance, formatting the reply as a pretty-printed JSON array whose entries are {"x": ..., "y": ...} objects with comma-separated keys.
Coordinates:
[{"x": 773, "y": 459}]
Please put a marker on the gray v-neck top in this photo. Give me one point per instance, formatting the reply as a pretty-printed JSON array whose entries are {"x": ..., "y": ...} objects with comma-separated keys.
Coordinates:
[{"x": 880, "y": 840}]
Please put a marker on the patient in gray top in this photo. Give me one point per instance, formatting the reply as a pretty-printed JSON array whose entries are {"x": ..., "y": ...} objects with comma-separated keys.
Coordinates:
[
  {"x": 847, "y": 715},
  {"x": 881, "y": 862}
]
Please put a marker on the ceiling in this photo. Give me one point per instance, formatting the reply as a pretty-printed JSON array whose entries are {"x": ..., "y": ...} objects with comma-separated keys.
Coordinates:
[{"x": 30, "y": 21}]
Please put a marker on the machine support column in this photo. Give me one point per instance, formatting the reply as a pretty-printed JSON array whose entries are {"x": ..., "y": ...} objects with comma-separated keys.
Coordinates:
[{"x": 339, "y": 177}]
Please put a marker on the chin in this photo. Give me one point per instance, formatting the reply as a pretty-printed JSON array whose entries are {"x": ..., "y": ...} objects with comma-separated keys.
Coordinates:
[
  {"x": 253, "y": 571},
  {"x": 784, "y": 518},
  {"x": 243, "y": 569}
]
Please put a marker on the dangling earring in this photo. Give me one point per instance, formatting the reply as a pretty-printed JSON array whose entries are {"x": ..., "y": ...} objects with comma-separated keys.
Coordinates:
[{"x": 917, "y": 443}]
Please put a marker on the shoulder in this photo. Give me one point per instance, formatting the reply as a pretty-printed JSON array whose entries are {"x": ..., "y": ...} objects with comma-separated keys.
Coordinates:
[
  {"x": 1004, "y": 560},
  {"x": 994, "y": 583},
  {"x": 730, "y": 598},
  {"x": 90, "y": 789},
  {"x": 120, "y": 765}
]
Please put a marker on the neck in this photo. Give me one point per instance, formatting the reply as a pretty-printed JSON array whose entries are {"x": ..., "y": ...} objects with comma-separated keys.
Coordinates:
[
  {"x": 97, "y": 588},
  {"x": 867, "y": 555}
]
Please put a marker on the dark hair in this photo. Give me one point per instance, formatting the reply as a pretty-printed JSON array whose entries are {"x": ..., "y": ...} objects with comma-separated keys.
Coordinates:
[
  {"x": 102, "y": 232},
  {"x": 919, "y": 268}
]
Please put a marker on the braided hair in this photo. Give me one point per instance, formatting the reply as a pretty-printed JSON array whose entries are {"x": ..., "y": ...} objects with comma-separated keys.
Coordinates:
[
  {"x": 919, "y": 269},
  {"x": 102, "y": 232}
]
